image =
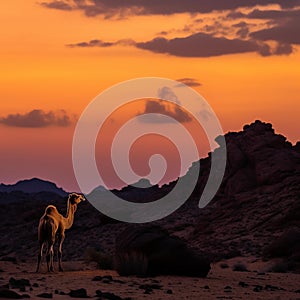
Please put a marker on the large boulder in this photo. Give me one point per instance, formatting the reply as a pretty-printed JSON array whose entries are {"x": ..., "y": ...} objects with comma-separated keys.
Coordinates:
[{"x": 150, "y": 250}]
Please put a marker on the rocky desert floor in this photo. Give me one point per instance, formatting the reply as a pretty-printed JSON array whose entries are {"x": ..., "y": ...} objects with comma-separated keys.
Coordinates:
[{"x": 81, "y": 280}]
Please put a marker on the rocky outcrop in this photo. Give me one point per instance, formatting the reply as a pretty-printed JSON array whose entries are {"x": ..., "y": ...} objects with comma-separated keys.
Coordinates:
[
  {"x": 257, "y": 156},
  {"x": 259, "y": 197}
]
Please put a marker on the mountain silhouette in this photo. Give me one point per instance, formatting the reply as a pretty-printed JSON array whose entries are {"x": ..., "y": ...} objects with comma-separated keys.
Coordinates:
[{"x": 34, "y": 185}]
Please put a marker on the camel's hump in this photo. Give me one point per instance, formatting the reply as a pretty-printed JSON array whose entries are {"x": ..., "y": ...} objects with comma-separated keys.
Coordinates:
[{"x": 50, "y": 209}]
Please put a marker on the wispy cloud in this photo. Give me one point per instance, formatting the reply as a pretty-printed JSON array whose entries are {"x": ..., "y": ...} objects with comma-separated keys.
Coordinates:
[
  {"x": 192, "y": 82},
  {"x": 102, "y": 44},
  {"x": 37, "y": 118}
]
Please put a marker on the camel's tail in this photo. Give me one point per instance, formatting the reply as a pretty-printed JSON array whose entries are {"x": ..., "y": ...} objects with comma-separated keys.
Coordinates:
[{"x": 45, "y": 228}]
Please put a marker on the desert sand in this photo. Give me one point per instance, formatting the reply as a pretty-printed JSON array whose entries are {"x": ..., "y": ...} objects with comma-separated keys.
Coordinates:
[{"x": 221, "y": 283}]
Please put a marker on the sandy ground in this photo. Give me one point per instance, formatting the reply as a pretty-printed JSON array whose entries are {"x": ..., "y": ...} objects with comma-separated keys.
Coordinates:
[{"x": 220, "y": 283}]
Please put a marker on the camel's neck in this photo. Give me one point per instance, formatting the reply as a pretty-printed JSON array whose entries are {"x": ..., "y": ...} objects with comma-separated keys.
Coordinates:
[{"x": 70, "y": 215}]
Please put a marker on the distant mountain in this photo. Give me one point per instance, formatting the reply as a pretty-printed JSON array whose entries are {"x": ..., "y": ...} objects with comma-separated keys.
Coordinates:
[{"x": 34, "y": 185}]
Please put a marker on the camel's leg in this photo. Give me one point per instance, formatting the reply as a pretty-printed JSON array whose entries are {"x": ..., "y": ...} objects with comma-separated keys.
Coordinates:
[
  {"x": 40, "y": 256},
  {"x": 50, "y": 257},
  {"x": 61, "y": 238}
]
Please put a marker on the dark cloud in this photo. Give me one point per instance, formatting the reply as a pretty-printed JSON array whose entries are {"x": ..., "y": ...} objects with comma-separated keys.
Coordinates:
[
  {"x": 165, "y": 108},
  {"x": 188, "y": 81},
  {"x": 284, "y": 33},
  {"x": 283, "y": 27},
  {"x": 210, "y": 28},
  {"x": 164, "y": 32},
  {"x": 243, "y": 29},
  {"x": 37, "y": 118},
  {"x": 283, "y": 49},
  {"x": 243, "y": 32},
  {"x": 240, "y": 25},
  {"x": 267, "y": 14},
  {"x": 91, "y": 43},
  {"x": 102, "y": 44},
  {"x": 121, "y": 8},
  {"x": 61, "y": 5},
  {"x": 274, "y": 14},
  {"x": 265, "y": 50},
  {"x": 199, "y": 45},
  {"x": 235, "y": 15}
]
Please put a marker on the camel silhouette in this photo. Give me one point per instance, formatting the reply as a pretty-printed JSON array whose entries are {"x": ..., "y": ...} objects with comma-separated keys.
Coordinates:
[{"x": 52, "y": 225}]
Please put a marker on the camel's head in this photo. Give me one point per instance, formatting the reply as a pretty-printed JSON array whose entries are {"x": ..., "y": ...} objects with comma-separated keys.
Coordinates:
[{"x": 75, "y": 198}]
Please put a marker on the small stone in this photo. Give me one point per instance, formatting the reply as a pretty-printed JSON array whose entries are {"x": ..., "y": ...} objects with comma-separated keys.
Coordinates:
[
  {"x": 119, "y": 281},
  {"x": 243, "y": 284},
  {"x": 148, "y": 291},
  {"x": 105, "y": 280},
  {"x": 169, "y": 292},
  {"x": 80, "y": 293},
  {"x": 258, "y": 288},
  {"x": 155, "y": 281},
  {"x": 97, "y": 278},
  {"x": 45, "y": 295},
  {"x": 153, "y": 286},
  {"x": 108, "y": 277},
  {"x": 272, "y": 288},
  {"x": 227, "y": 289},
  {"x": 110, "y": 296},
  {"x": 19, "y": 283}
]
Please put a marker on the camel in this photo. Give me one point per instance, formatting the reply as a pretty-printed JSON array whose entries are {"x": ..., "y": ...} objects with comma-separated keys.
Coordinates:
[{"x": 52, "y": 225}]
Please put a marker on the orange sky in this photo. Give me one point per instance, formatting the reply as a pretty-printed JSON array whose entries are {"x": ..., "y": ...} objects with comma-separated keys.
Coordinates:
[{"x": 38, "y": 71}]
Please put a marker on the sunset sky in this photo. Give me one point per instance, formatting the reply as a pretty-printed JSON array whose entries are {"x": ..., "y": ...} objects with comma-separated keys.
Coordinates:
[{"x": 242, "y": 56}]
